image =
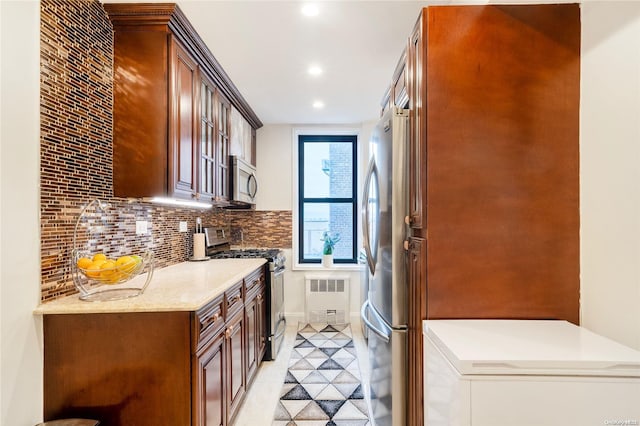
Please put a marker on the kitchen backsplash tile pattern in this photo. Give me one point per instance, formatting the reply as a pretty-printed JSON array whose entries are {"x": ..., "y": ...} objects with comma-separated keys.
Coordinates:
[
  {"x": 259, "y": 228},
  {"x": 76, "y": 97}
]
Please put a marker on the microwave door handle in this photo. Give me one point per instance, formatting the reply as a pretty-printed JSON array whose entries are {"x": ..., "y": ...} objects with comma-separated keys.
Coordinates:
[{"x": 255, "y": 185}]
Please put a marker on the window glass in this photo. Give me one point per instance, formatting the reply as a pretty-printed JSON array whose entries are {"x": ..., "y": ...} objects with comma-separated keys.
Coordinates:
[
  {"x": 327, "y": 196},
  {"x": 328, "y": 170}
]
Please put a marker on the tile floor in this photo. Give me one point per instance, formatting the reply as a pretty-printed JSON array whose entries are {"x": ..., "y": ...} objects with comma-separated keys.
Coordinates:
[{"x": 260, "y": 403}]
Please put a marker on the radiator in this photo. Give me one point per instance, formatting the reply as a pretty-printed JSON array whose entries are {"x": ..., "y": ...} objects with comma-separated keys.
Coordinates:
[{"x": 327, "y": 299}]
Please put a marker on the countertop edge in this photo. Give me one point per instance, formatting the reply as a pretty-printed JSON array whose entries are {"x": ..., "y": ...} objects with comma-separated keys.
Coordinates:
[{"x": 195, "y": 290}]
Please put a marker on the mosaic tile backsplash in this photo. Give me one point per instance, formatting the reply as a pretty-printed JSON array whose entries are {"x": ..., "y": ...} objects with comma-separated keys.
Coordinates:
[{"x": 76, "y": 103}]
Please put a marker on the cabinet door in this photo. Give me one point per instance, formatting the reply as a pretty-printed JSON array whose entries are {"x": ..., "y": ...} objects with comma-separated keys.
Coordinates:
[
  {"x": 222, "y": 148},
  {"x": 399, "y": 83},
  {"x": 182, "y": 121},
  {"x": 236, "y": 367},
  {"x": 417, "y": 123},
  {"x": 417, "y": 277},
  {"x": 252, "y": 324},
  {"x": 207, "y": 151},
  {"x": 242, "y": 137},
  {"x": 209, "y": 402},
  {"x": 261, "y": 327}
]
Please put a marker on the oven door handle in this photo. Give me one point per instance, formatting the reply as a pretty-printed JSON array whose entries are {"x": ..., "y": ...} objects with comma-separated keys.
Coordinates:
[{"x": 281, "y": 327}]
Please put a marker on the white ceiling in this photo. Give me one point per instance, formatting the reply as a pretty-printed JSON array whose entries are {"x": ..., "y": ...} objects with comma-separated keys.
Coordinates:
[{"x": 266, "y": 47}]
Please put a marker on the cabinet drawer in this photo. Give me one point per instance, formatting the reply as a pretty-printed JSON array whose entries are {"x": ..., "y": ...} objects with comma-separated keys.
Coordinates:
[
  {"x": 233, "y": 300},
  {"x": 252, "y": 281},
  {"x": 209, "y": 320},
  {"x": 257, "y": 290}
]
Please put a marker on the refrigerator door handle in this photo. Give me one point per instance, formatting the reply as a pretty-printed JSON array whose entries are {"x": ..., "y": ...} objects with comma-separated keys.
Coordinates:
[
  {"x": 369, "y": 325},
  {"x": 371, "y": 256}
]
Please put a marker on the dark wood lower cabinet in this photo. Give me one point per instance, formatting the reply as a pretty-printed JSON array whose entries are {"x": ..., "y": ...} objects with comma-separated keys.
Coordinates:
[
  {"x": 261, "y": 325},
  {"x": 122, "y": 369},
  {"x": 417, "y": 278},
  {"x": 236, "y": 370},
  {"x": 153, "y": 368},
  {"x": 211, "y": 409},
  {"x": 256, "y": 332}
]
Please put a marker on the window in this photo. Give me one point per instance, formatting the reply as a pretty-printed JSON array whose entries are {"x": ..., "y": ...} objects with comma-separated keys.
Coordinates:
[{"x": 327, "y": 198}]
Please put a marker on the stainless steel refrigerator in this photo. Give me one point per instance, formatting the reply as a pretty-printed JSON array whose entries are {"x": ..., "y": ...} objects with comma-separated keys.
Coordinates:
[{"x": 384, "y": 313}]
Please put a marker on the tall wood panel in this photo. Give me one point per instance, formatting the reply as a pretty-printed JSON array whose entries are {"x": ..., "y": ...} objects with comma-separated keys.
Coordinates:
[
  {"x": 502, "y": 93},
  {"x": 494, "y": 97}
]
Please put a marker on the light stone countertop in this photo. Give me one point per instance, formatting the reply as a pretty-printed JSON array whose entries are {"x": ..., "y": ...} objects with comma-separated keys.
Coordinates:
[{"x": 185, "y": 286}]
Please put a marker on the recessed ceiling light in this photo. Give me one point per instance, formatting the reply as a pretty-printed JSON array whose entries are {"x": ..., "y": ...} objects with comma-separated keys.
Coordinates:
[
  {"x": 318, "y": 104},
  {"x": 314, "y": 70},
  {"x": 310, "y": 10}
]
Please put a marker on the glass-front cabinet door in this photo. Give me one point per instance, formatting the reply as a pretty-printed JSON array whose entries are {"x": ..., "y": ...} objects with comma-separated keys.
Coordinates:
[
  {"x": 207, "y": 167},
  {"x": 222, "y": 148}
]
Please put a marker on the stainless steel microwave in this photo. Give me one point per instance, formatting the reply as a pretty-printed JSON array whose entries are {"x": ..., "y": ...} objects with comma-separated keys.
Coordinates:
[{"x": 244, "y": 184}]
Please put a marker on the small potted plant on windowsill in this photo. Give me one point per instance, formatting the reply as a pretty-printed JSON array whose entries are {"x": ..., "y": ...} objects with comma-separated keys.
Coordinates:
[{"x": 330, "y": 240}]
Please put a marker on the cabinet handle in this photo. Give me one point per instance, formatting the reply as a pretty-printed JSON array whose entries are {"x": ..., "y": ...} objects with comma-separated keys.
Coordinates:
[
  {"x": 407, "y": 220},
  {"x": 211, "y": 319},
  {"x": 405, "y": 244},
  {"x": 228, "y": 332},
  {"x": 259, "y": 297},
  {"x": 234, "y": 299}
]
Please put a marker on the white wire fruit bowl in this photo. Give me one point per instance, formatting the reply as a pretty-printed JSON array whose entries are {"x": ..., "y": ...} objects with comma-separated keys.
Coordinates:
[{"x": 100, "y": 277}]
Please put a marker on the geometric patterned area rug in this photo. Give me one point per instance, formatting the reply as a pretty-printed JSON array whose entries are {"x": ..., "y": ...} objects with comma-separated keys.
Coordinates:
[{"x": 322, "y": 386}]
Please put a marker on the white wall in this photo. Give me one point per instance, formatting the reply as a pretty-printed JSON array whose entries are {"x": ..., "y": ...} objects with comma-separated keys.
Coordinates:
[
  {"x": 610, "y": 170},
  {"x": 21, "y": 332},
  {"x": 276, "y": 159}
]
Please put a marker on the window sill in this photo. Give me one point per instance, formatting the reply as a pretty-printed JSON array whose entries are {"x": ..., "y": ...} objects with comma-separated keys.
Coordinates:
[{"x": 316, "y": 267}]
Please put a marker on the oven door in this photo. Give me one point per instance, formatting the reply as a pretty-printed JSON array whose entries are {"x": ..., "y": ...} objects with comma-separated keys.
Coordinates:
[{"x": 277, "y": 321}]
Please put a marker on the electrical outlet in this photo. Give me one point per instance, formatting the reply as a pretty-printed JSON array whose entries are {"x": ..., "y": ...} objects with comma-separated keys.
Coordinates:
[
  {"x": 141, "y": 227},
  {"x": 183, "y": 226}
]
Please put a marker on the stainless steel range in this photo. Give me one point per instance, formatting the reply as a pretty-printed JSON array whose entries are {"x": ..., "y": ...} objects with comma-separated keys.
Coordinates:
[{"x": 218, "y": 247}]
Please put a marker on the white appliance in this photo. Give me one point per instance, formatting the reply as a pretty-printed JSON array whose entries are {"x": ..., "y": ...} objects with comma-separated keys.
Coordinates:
[
  {"x": 384, "y": 313},
  {"x": 527, "y": 373},
  {"x": 244, "y": 184}
]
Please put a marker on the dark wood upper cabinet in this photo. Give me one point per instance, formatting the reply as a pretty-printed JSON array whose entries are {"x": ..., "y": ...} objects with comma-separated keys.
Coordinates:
[
  {"x": 222, "y": 147},
  {"x": 183, "y": 110},
  {"x": 417, "y": 128},
  {"x": 171, "y": 107},
  {"x": 207, "y": 137},
  {"x": 494, "y": 93}
]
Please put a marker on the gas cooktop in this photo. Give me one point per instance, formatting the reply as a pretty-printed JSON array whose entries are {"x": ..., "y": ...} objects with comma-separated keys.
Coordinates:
[{"x": 269, "y": 254}]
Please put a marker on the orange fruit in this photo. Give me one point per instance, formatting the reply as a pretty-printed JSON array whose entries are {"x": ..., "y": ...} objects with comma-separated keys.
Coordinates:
[
  {"x": 93, "y": 271},
  {"x": 84, "y": 263},
  {"x": 126, "y": 264},
  {"x": 107, "y": 270},
  {"x": 99, "y": 256}
]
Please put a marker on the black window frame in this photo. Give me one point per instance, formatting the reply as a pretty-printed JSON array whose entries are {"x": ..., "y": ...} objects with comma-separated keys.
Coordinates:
[{"x": 353, "y": 200}]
